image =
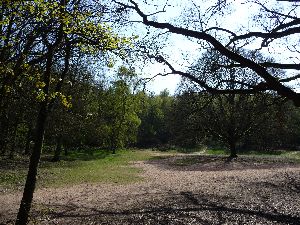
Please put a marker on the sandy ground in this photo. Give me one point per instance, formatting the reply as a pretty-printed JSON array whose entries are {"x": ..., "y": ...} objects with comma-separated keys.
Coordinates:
[{"x": 211, "y": 191}]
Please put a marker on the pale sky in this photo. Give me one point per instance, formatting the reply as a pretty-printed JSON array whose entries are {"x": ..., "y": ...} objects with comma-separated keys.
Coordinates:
[
  {"x": 182, "y": 46},
  {"x": 181, "y": 52}
]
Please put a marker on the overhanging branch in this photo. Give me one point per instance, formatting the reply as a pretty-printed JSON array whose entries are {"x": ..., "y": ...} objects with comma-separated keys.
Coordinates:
[
  {"x": 271, "y": 81},
  {"x": 251, "y": 88}
]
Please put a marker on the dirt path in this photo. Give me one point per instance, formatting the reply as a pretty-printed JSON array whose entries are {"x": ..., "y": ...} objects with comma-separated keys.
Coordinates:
[{"x": 187, "y": 194}]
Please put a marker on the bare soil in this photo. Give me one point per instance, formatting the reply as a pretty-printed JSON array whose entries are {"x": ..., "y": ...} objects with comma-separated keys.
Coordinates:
[{"x": 192, "y": 189}]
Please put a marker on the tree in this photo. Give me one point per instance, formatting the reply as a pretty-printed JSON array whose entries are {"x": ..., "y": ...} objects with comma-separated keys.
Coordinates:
[
  {"x": 154, "y": 129},
  {"x": 228, "y": 117},
  {"x": 119, "y": 110},
  {"x": 185, "y": 121},
  {"x": 282, "y": 23},
  {"x": 68, "y": 126},
  {"x": 40, "y": 36}
]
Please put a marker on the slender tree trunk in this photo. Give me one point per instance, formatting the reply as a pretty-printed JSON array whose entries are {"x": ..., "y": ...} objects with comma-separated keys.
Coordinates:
[
  {"x": 13, "y": 143},
  {"x": 2, "y": 147},
  {"x": 58, "y": 149},
  {"x": 66, "y": 150},
  {"x": 28, "y": 140},
  {"x": 3, "y": 141},
  {"x": 23, "y": 214},
  {"x": 4, "y": 133},
  {"x": 233, "y": 153},
  {"x": 29, "y": 188},
  {"x": 112, "y": 142}
]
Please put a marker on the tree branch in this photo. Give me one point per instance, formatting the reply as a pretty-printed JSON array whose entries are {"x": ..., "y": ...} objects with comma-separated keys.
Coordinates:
[
  {"x": 252, "y": 89},
  {"x": 271, "y": 81}
]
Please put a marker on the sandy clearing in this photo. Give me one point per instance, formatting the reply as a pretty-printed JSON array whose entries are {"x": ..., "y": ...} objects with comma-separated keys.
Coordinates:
[{"x": 172, "y": 196}]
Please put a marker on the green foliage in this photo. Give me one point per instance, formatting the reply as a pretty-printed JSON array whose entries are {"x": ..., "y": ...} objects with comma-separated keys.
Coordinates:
[
  {"x": 62, "y": 26},
  {"x": 41, "y": 41},
  {"x": 118, "y": 111},
  {"x": 101, "y": 115},
  {"x": 154, "y": 129}
]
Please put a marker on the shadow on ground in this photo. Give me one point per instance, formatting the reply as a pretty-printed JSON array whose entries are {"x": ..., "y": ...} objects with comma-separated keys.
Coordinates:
[
  {"x": 220, "y": 163},
  {"x": 180, "y": 208},
  {"x": 274, "y": 202}
]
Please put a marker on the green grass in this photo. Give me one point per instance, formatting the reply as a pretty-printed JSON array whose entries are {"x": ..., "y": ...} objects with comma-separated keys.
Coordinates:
[
  {"x": 292, "y": 155},
  {"x": 211, "y": 154},
  {"x": 79, "y": 167},
  {"x": 216, "y": 152},
  {"x": 98, "y": 166},
  {"x": 288, "y": 154}
]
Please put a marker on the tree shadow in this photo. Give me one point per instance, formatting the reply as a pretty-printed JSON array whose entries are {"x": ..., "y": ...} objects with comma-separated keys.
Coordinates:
[
  {"x": 13, "y": 164},
  {"x": 219, "y": 163},
  {"x": 175, "y": 208},
  {"x": 80, "y": 155}
]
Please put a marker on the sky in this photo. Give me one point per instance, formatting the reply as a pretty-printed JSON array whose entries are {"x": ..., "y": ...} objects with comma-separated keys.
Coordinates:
[
  {"x": 182, "y": 46},
  {"x": 180, "y": 51}
]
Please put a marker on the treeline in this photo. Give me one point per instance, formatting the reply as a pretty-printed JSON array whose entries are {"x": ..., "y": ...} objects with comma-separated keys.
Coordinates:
[{"x": 118, "y": 114}]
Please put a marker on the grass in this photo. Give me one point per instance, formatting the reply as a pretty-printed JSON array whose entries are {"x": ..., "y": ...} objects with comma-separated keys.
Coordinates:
[
  {"x": 280, "y": 153},
  {"x": 79, "y": 167},
  {"x": 261, "y": 156},
  {"x": 216, "y": 152},
  {"x": 99, "y": 166}
]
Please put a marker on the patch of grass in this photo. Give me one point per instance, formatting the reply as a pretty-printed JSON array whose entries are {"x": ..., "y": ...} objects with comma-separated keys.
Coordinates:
[
  {"x": 80, "y": 167},
  {"x": 188, "y": 150},
  {"x": 283, "y": 154},
  {"x": 295, "y": 155},
  {"x": 216, "y": 151},
  {"x": 11, "y": 179},
  {"x": 104, "y": 168}
]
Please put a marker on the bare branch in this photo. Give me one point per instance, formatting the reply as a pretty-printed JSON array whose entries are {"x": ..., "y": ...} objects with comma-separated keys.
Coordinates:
[
  {"x": 266, "y": 36},
  {"x": 286, "y": 66},
  {"x": 252, "y": 89},
  {"x": 290, "y": 78},
  {"x": 274, "y": 12},
  {"x": 271, "y": 81},
  {"x": 221, "y": 29}
]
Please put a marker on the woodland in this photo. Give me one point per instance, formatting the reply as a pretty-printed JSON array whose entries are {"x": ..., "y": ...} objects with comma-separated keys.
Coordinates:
[{"x": 72, "y": 80}]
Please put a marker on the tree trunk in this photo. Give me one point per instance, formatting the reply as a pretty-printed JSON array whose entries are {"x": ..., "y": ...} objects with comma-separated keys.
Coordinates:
[
  {"x": 233, "y": 153},
  {"x": 29, "y": 188},
  {"x": 58, "y": 149},
  {"x": 13, "y": 143},
  {"x": 28, "y": 140},
  {"x": 3, "y": 134},
  {"x": 66, "y": 151},
  {"x": 112, "y": 143},
  {"x": 23, "y": 214},
  {"x": 2, "y": 146}
]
